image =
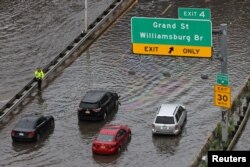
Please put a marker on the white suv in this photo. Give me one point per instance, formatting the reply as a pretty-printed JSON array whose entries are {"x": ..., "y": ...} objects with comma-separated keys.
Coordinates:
[{"x": 169, "y": 119}]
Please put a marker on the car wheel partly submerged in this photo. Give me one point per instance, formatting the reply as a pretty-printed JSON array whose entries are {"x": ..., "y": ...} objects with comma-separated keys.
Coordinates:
[
  {"x": 52, "y": 123},
  {"x": 104, "y": 116},
  {"x": 38, "y": 137},
  {"x": 119, "y": 149}
]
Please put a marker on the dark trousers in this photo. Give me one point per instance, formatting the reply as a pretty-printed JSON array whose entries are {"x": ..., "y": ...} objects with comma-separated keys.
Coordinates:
[{"x": 39, "y": 84}]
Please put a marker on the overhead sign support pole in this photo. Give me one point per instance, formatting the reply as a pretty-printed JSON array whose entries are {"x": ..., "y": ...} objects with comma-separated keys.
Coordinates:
[
  {"x": 86, "y": 16},
  {"x": 224, "y": 112}
]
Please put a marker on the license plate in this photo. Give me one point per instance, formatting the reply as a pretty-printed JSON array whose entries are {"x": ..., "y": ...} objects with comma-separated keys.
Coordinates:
[
  {"x": 102, "y": 147},
  {"x": 21, "y": 134},
  {"x": 87, "y": 112}
]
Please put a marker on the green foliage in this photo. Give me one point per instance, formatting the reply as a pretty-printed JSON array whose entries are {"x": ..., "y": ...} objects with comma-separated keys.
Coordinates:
[
  {"x": 217, "y": 131},
  {"x": 247, "y": 95},
  {"x": 215, "y": 145},
  {"x": 231, "y": 120},
  {"x": 230, "y": 131},
  {"x": 202, "y": 164},
  {"x": 238, "y": 102},
  {"x": 248, "y": 85}
]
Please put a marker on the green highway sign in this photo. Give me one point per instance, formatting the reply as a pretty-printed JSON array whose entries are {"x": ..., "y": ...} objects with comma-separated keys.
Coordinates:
[
  {"x": 166, "y": 31},
  {"x": 194, "y": 13},
  {"x": 222, "y": 79}
]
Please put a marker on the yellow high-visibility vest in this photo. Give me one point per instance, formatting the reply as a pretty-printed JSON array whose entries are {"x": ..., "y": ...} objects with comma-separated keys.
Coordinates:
[{"x": 39, "y": 74}]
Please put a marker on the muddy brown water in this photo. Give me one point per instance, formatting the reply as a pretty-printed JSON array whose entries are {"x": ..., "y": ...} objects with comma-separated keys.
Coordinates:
[{"x": 34, "y": 32}]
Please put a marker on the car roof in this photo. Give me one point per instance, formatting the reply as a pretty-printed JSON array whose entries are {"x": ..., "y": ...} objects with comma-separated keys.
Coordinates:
[
  {"x": 167, "y": 109},
  {"x": 30, "y": 118},
  {"x": 93, "y": 96},
  {"x": 110, "y": 129}
]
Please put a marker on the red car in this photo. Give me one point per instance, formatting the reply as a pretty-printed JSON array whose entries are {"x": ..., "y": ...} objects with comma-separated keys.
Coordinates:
[{"x": 111, "y": 139}]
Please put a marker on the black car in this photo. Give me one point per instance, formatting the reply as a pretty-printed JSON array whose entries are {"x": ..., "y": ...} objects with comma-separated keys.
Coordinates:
[
  {"x": 31, "y": 128},
  {"x": 97, "y": 104}
]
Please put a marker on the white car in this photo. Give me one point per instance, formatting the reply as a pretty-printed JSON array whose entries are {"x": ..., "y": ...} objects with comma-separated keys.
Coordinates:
[{"x": 169, "y": 119}]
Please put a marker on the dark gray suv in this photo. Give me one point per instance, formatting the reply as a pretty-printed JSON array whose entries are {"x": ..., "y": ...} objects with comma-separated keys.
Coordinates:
[{"x": 97, "y": 104}]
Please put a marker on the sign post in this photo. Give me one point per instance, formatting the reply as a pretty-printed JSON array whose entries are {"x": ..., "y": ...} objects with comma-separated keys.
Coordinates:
[
  {"x": 224, "y": 119},
  {"x": 172, "y": 37},
  {"x": 86, "y": 16}
]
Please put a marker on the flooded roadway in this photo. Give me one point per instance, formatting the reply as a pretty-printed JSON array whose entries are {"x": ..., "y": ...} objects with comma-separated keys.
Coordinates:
[{"x": 37, "y": 31}]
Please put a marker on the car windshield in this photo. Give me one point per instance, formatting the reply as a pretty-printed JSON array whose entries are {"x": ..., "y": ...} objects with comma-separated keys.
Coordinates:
[
  {"x": 26, "y": 124},
  {"x": 105, "y": 137},
  {"x": 88, "y": 105},
  {"x": 164, "y": 120}
]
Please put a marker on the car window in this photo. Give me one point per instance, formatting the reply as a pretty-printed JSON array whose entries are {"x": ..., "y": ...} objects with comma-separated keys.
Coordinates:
[
  {"x": 164, "y": 120},
  {"x": 41, "y": 120},
  {"x": 121, "y": 133},
  {"x": 177, "y": 117},
  {"x": 104, "y": 99},
  {"x": 105, "y": 137},
  {"x": 180, "y": 110},
  {"x": 25, "y": 123},
  {"x": 88, "y": 105}
]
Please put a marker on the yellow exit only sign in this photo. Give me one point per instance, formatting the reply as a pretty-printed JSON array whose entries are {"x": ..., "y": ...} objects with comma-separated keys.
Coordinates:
[
  {"x": 172, "y": 50},
  {"x": 222, "y": 96}
]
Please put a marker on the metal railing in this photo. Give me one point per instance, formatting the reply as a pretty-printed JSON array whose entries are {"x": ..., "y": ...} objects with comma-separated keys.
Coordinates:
[{"x": 66, "y": 53}]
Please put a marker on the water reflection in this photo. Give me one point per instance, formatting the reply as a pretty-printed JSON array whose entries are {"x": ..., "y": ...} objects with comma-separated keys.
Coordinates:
[
  {"x": 106, "y": 159},
  {"x": 89, "y": 128},
  {"x": 40, "y": 98},
  {"x": 25, "y": 147},
  {"x": 166, "y": 144},
  {"x": 92, "y": 127}
]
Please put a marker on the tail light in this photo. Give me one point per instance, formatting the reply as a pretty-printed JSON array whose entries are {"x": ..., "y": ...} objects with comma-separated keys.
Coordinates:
[
  {"x": 111, "y": 146},
  {"x": 31, "y": 134},
  {"x": 97, "y": 110},
  {"x": 13, "y": 133}
]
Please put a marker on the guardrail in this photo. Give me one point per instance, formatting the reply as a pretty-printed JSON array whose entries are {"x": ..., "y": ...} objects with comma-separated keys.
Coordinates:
[{"x": 78, "y": 42}]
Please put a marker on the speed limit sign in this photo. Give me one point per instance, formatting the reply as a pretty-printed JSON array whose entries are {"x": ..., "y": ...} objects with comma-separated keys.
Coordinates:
[{"x": 222, "y": 96}]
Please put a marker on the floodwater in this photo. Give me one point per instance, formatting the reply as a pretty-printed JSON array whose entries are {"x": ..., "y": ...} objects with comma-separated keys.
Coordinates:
[{"x": 34, "y": 32}]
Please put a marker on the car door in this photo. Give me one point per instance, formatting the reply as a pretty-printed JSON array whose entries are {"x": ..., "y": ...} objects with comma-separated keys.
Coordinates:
[
  {"x": 41, "y": 125},
  {"x": 121, "y": 137},
  {"x": 181, "y": 115},
  {"x": 107, "y": 102},
  {"x": 114, "y": 101}
]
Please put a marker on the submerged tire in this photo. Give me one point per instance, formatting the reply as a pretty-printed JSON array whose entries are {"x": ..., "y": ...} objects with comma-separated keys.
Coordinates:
[
  {"x": 104, "y": 116},
  {"x": 119, "y": 149},
  {"x": 38, "y": 136},
  {"x": 52, "y": 124}
]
